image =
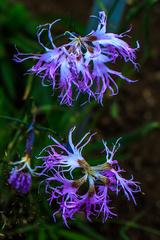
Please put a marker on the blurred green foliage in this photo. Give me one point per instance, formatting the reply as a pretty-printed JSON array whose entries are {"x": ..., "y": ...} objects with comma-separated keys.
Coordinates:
[{"x": 29, "y": 217}]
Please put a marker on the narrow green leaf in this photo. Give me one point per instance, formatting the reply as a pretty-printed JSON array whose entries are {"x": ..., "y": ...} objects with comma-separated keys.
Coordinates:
[
  {"x": 70, "y": 235},
  {"x": 114, "y": 110},
  {"x": 42, "y": 234},
  {"x": 89, "y": 231}
]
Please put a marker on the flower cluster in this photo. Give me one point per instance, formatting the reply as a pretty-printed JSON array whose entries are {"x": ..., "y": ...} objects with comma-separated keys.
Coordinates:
[
  {"x": 80, "y": 65},
  {"x": 90, "y": 192}
]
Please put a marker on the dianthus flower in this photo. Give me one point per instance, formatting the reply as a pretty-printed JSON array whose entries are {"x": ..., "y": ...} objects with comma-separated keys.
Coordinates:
[
  {"x": 21, "y": 175},
  {"x": 90, "y": 192},
  {"x": 20, "y": 180},
  {"x": 80, "y": 65}
]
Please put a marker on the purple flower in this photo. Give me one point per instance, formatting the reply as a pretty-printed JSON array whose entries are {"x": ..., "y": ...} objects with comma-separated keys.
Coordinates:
[
  {"x": 90, "y": 192},
  {"x": 21, "y": 176},
  {"x": 20, "y": 180},
  {"x": 80, "y": 65},
  {"x": 59, "y": 155}
]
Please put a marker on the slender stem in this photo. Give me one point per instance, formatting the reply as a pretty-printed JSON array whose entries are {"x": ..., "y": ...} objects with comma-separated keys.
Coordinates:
[
  {"x": 38, "y": 127},
  {"x": 13, "y": 119}
]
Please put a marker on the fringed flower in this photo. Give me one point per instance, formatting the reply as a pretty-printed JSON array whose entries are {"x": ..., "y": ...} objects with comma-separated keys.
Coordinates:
[
  {"x": 20, "y": 180},
  {"x": 88, "y": 190},
  {"x": 21, "y": 175},
  {"x": 81, "y": 65}
]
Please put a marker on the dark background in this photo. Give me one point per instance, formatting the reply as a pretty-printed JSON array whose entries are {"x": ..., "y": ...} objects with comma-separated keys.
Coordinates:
[{"x": 133, "y": 114}]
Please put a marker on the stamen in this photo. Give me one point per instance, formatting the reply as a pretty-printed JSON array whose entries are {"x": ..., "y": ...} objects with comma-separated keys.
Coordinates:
[{"x": 92, "y": 38}]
